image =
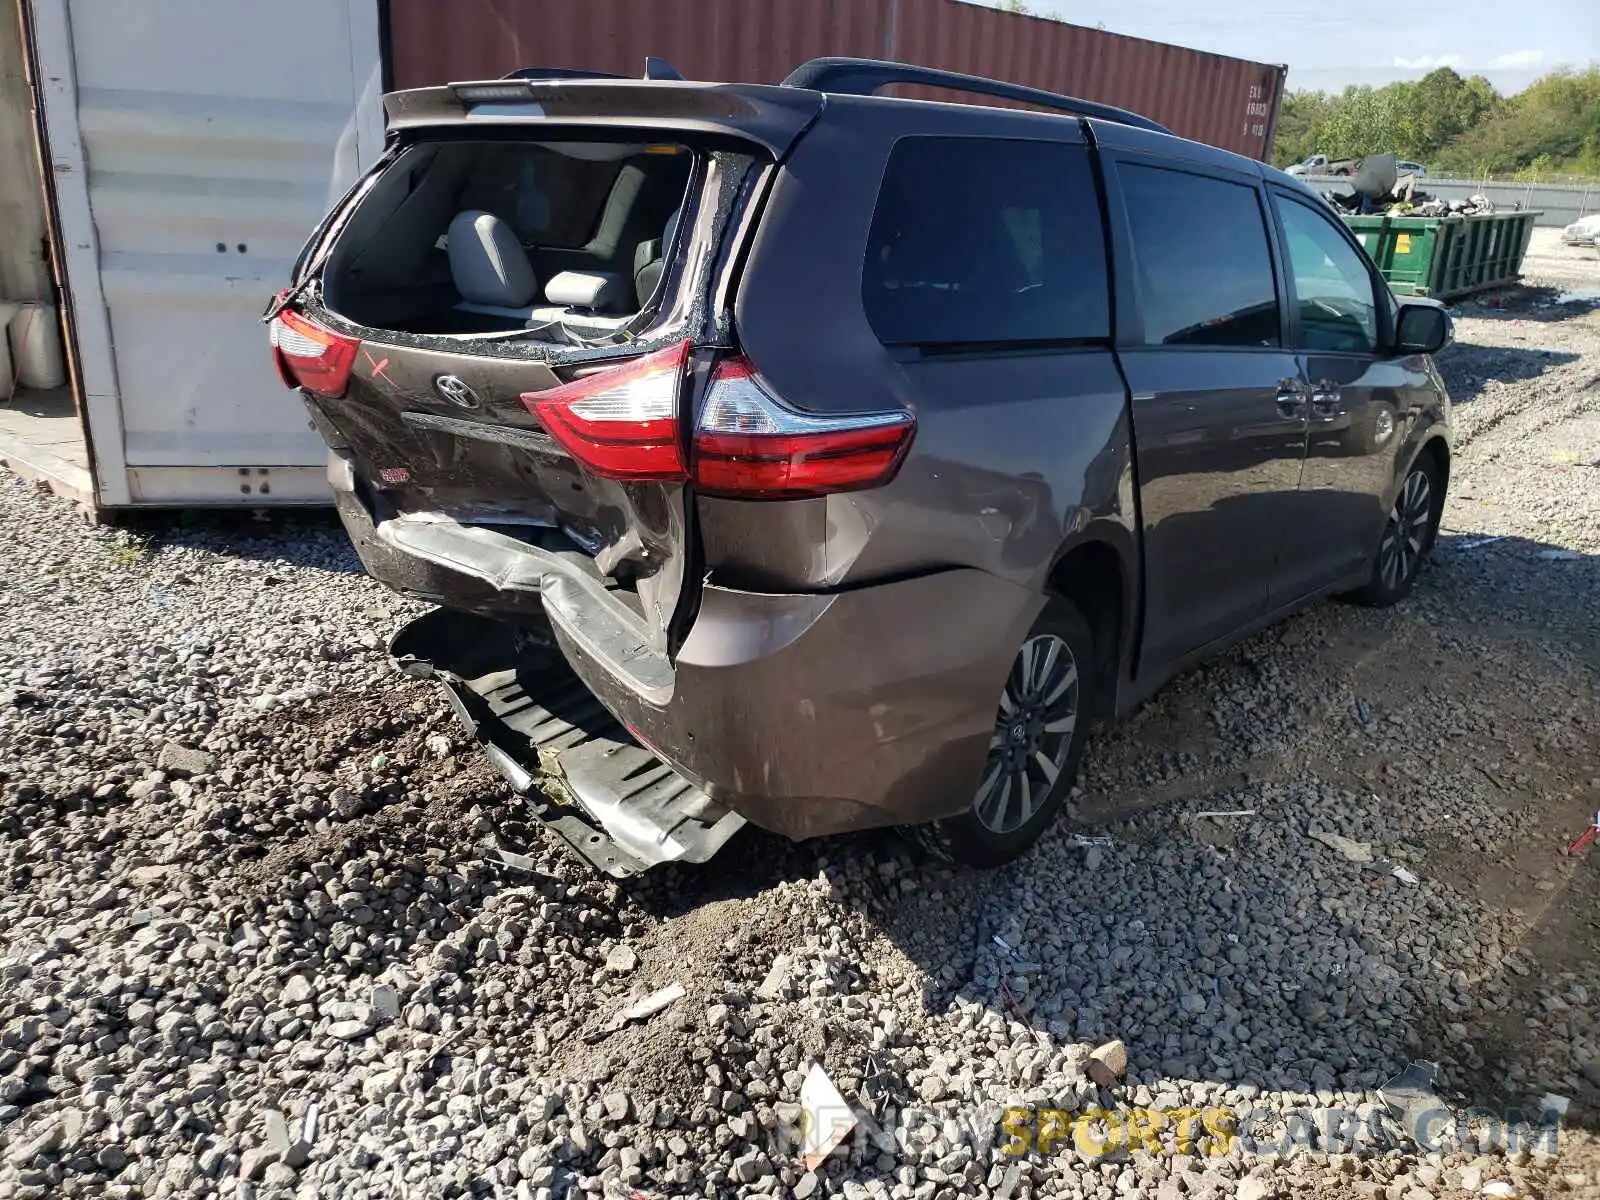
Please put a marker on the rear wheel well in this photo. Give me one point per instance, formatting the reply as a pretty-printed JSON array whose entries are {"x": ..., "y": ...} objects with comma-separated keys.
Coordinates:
[{"x": 1090, "y": 575}]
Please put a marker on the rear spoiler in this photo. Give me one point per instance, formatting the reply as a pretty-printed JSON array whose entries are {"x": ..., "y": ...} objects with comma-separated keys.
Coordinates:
[{"x": 770, "y": 116}]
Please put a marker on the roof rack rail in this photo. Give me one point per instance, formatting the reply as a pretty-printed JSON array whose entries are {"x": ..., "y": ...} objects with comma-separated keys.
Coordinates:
[
  {"x": 557, "y": 73},
  {"x": 863, "y": 76}
]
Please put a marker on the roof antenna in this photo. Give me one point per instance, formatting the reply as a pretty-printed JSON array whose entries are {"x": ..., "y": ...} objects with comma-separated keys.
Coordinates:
[{"x": 660, "y": 68}]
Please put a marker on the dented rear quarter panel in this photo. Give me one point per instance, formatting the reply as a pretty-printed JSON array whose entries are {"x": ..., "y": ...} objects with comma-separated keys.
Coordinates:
[
  {"x": 1018, "y": 455},
  {"x": 819, "y": 713}
]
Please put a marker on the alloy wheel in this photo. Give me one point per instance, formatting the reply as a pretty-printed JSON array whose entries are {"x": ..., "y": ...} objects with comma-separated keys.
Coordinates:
[
  {"x": 1406, "y": 531},
  {"x": 1032, "y": 735}
]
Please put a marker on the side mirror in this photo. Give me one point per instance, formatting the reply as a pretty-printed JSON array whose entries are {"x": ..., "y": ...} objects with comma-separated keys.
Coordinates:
[{"x": 1423, "y": 327}]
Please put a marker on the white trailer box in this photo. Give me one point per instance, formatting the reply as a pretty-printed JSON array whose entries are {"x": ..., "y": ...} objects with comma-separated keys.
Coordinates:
[{"x": 189, "y": 147}]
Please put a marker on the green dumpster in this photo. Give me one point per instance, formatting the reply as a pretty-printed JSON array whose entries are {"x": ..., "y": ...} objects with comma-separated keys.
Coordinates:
[{"x": 1444, "y": 257}]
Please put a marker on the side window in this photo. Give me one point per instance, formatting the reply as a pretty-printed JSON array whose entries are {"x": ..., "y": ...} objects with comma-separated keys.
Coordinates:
[
  {"x": 986, "y": 241},
  {"x": 1332, "y": 284},
  {"x": 1200, "y": 254}
]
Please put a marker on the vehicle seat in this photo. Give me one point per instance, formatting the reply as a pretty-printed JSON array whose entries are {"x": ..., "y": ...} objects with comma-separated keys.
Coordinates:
[
  {"x": 490, "y": 268},
  {"x": 649, "y": 261}
]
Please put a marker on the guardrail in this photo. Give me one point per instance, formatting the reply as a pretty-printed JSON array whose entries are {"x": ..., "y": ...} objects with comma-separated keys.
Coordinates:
[{"x": 1559, "y": 204}]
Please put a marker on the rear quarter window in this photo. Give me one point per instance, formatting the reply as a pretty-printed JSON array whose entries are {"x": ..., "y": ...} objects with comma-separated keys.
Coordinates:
[{"x": 986, "y": 241}]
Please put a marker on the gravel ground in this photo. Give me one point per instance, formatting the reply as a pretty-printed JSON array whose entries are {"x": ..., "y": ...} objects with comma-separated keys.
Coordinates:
[{"x": 254, "y": 941}]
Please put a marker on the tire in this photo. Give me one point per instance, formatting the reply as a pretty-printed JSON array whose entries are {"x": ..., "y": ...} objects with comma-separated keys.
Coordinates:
[
  {"x": 1014, "y": 807},
  {"x": 1415, "y": 516}
]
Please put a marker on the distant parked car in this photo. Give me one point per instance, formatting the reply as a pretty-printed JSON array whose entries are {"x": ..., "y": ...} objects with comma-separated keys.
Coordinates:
[
  {"x": 1321, "y": 164},
  {"x": 1585, "y": 231},
  {"x": 854, "y": 453}
]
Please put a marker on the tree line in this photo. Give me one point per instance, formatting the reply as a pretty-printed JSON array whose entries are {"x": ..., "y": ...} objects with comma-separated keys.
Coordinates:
[{"x": 1454, "y": 126}]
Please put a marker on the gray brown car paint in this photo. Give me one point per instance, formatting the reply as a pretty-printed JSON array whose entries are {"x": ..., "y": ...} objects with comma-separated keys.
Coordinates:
[{"x": 845, "y": 654}]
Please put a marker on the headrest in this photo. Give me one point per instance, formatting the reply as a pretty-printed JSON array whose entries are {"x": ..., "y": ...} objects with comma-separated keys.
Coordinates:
[
  {"x": 487, "y": 263},
  {"x": 584, "y": 289}
]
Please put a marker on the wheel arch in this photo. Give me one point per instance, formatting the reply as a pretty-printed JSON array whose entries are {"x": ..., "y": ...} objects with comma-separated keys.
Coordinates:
[
  {"x": 1098, "y": 572},
  {"x": 1432, "y": 445},
  {"x": 1438, "y": 448}
]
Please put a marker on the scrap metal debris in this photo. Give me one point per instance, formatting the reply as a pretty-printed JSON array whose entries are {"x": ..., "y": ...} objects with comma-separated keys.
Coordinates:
[
  {"x": 1428, "y": 206},
  {"x": 1376, "y": 185}
]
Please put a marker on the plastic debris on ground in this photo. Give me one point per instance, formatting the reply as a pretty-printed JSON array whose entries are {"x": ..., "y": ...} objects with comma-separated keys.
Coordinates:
[
  {"x": 1412, "y": 1099},
  {"x": 1404, "y": 874},
  {"x": 1354, "y": 851},
  {"x": 826, "y": 1118},
  {"x": 1587, "y": 837},
  {"x": 650, "y": 1005}
]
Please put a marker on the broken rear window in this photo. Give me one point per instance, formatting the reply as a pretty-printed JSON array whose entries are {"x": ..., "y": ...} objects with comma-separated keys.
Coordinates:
[{"x": 567, "y": 237}]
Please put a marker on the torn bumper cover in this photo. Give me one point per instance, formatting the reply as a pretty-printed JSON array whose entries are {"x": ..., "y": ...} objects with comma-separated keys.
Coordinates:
[{"x": 807, "y": 714}]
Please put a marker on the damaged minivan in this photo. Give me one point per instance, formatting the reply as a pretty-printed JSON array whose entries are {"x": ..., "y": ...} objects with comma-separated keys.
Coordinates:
[{"x": 827, "y": 460}]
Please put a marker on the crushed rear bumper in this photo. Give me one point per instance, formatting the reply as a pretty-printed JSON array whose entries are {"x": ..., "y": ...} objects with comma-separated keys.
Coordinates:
[
  {"x": 807, "y": 714},
  {"x": 614, "y": 802},
  {"x": 815, "y": 714}
]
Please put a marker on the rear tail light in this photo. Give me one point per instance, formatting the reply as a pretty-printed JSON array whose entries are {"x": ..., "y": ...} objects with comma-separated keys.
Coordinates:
[
  {"x": 622, "y": 422},
  {"x": 309, "y": 356},
  {"x": 751, "y": 446}
]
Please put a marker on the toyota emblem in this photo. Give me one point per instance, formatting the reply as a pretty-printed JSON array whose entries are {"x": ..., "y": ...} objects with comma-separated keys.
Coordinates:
[{"x": 455, "y": 390}]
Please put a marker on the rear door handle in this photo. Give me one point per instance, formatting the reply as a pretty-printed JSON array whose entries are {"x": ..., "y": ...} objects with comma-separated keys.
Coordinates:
[{"x": 1325, "y": 403}]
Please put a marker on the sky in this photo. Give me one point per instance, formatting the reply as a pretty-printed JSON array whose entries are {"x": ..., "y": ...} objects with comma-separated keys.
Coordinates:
[{"x": 1328, "y": 44}]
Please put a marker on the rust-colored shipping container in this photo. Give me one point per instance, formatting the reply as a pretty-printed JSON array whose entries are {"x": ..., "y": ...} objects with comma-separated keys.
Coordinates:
[{"x": 1228, "y": 102}]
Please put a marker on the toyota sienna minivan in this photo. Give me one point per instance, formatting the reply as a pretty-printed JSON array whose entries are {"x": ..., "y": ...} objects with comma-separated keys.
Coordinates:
[{"x": 823, "y": 459}]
